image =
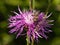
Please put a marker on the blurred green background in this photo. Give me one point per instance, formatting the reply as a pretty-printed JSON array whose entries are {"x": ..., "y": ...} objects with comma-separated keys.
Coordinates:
[{"x": 6, "y": 6}]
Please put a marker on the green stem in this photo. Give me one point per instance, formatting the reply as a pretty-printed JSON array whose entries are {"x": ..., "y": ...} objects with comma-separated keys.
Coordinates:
[
  {"x": 32, "y": 41},
  {"x": 28, "y": 41},
  {"x": 32, "y": 4},
  {"x": 49, "y": 1}
]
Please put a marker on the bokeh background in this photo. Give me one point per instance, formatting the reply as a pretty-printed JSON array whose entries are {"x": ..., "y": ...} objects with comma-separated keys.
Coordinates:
[{"x": 6, "y": 6}]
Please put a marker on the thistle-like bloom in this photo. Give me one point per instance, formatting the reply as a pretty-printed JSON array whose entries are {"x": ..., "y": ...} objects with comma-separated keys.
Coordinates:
[{"x": 35, "y": 24}]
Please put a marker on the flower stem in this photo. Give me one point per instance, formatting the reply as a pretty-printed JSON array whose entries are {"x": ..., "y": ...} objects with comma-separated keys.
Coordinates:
[
  {"x": 28, "y": 41},
  {"x": 49, "y": 1},
  {"x": 32, "y": 4},
  {"x": 32, "y": 41}
]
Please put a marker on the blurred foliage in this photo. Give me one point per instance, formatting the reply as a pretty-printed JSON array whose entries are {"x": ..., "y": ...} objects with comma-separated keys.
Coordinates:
[
  {"x": 6, "y": 6},
  {"x": 56, "y": 41}
]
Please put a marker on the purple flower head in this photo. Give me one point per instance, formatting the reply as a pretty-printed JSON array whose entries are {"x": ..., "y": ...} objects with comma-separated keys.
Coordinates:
[{"x": 36, "y": 24}]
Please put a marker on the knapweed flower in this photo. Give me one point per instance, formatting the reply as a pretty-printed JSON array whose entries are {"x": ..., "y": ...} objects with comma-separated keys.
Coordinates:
[{"x": 34, "y": 23}]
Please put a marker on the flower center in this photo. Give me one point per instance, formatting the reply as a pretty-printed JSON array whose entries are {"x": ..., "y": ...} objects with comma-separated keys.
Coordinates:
[{"x": 29, "y": 19}]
